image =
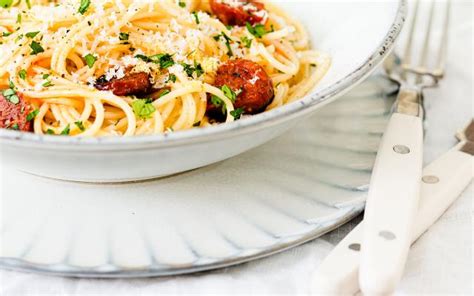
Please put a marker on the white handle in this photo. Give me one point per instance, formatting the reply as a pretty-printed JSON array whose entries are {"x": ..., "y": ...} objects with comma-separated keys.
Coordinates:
[
  {"x": 391, "y": 206},
  {"x": 338, "y": 273}
]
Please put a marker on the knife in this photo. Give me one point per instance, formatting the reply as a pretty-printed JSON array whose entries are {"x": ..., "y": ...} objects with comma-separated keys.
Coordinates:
[{"x": 442, "y": 182}]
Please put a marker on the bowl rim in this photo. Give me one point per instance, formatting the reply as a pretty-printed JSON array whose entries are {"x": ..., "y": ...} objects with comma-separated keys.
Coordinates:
[{"x": 269, "y": 118}]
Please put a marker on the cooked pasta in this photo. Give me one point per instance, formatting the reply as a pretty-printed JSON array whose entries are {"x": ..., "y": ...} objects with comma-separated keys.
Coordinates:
[{"x": 140, "y": 67}]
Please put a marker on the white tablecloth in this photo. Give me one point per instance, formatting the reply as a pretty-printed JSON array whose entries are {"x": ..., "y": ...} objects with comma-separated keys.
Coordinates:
[{"x": 440, "y": 262}]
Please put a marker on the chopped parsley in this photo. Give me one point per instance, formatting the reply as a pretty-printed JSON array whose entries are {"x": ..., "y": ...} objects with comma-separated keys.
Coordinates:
[
  {"x": 165, "y": 60},
  {"x": 22, "y": 74},
  {"x": 11, "y": 95},
  {"x": 47, "y": 83},
  {"x": 124, "y": 36},
  {"x": 172, "y": 78},
  {"x": 229, "y": 93},
  {"x": 84, "y": 6},
  {"x": 6, "y": 34},
  {"x": 28, "y": 4},
  {"x": 164, "y": 93},
  {"x": 36, "y": 48},
  {"x": 18, "y": 18},
  {"x": 143, "y": 108},
  {"x": 237, "y": 113},
  {"x": 142, "y": 57},
  {"x": 90, "y": 60},
  {"x": 227, "y": 41},
  {"x": 217, "y": 102},
  {"x": 18, "y": 38},
  {"x": 32, "y": 34},
  {"x": 15, "y": 127},
  {"x": 49, "y": 131},
  {"x": 6, "y": 3},
  {"x": 258, "y": 30},
  {"x": 66, "y": 130},
  {"x": 196, "y": 17},
  {"x": 182, "y": 4},
  {"x": 32, "y": 115},
  {"x": 190, "y": 70},
  {"x": 80, "y": 125},
  {"x": 246, "y": 41},
  {"x": 45, "y": 76}
]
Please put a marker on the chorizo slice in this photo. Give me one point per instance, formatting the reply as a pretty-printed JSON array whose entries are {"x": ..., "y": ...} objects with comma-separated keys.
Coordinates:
[
  {"x": 249, "y": 81},
  {"x": 239, "y": 12},
  {"x": 131, "y": 84},
  {"x": 14, "y": 115}
]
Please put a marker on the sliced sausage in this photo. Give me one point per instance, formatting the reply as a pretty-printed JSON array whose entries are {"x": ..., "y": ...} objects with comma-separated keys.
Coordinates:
[
  {"x": 131, "y": 84},
  {"x": 13, "y": 116},
  {"x": 253, "y": 86},
  {"x": 239, "y": 12}
]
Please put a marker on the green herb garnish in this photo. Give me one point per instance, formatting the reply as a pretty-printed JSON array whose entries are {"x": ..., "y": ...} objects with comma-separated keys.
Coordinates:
[
  {"x": 90, "y": 60},
  {"x": 164, "y": 93},
  {"x": 32, "y": 115},
  {"x": 11, "y": 95},
  {"x": 32, "y": 34},
  {"x": 258, "y": 30},
  {"x": 246, "y": 41},
  {"x": 36, "y": 48},
  {"x": 196, "y": 17},
  {"x": 237, "y": 113},
  {"x": 227, "y": 41},
  {"x": 143, "y": 108},
  {"x": 172, "y": 78},
  {"x": 66, "y": 130},
  {"x": 190, "y": 70},
  {"x": 84, "y": 6},
  {"x": 6, "y": 3},
  {"x": 229, "y": 93},
  {"x": 124, "y": 36},
  {"x": 22, "y": 74},
  {"x": 80, "y": 125}
]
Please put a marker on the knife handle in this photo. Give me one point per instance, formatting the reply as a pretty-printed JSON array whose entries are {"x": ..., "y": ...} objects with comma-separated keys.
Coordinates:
[
  {"x": 392, "y": 203},
  {"x": 444, "y": 180}
]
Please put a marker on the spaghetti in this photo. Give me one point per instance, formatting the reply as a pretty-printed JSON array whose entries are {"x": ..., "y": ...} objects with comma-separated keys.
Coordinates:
[{"x": 136, "y": 67}]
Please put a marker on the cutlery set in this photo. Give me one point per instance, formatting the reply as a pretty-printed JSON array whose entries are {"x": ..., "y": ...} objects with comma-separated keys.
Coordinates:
[{"x": 404, "y": 200}]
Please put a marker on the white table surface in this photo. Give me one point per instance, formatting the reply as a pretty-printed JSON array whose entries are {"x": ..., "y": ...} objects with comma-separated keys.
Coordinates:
[{"x": 440, "y": 262}]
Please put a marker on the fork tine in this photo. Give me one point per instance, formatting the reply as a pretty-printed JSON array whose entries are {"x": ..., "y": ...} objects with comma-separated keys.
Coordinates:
[
  {"x": 442, "y": 53},
  {"x": 408, "y": 47},
  {"x": 422, "y": 66},
  {"x": 426, "y": 45}
]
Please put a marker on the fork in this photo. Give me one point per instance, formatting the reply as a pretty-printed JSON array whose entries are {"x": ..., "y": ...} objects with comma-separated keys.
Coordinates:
[{"x": 394, "y": 189}]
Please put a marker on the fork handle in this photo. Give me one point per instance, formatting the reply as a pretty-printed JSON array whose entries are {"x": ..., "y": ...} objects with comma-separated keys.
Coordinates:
[
  {"x": 446, "y": 178},
  {"x": 391, "y": 205}
]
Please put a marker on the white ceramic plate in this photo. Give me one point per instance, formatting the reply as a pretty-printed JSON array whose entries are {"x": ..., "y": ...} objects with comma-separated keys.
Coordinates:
[
  {"x": 291, "y": 190},
  {"x": 356, "y": 34}
]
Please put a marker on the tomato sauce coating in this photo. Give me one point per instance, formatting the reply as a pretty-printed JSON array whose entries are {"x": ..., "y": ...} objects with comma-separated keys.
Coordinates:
[
  {"x": 14, "y": 116},
  {"x": 253, "y": 86},
  {"x": 131, "y": 84},
  {"x": 239, "y": 12}
]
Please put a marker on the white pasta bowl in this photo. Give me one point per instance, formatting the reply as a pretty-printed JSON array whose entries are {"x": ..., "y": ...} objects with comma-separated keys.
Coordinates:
[{"x": 357, "y": 35}]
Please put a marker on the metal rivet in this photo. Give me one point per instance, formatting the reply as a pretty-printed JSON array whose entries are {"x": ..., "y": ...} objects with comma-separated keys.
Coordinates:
[
  {"x": 354, "y": 247},
  {"x": 401, "y": 149},
  {"x": 430, "y": 179},
  {"x": 388, "y": 235}
]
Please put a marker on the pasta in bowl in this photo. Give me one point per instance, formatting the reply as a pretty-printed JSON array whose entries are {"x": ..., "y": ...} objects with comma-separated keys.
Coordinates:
[
  {"x": 123, "y": 68},
  {"x": 135, "y": 107}
]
